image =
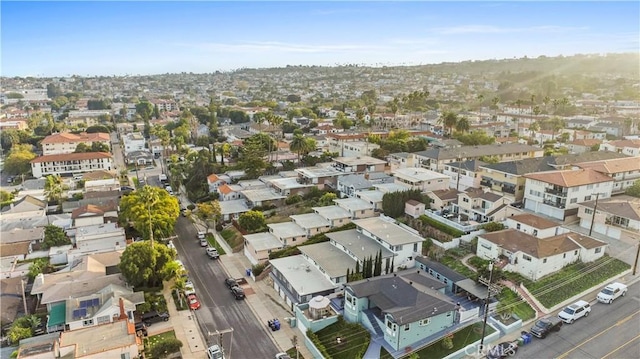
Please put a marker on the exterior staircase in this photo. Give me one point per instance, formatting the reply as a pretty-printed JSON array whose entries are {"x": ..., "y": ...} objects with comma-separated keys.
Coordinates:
[{"x": 374, "y": 322}]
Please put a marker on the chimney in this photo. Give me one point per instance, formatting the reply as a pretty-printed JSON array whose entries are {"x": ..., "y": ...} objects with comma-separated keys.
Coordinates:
[{"x": 123, "y": 315}]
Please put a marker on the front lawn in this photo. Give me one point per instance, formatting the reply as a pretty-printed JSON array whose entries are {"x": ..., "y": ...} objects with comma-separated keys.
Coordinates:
[
  {"x": 455, "y": 264},
  {"x": 232, "y": 237},
  {"x": 154, "y": 340},
  {"x": 341, "y": 340},
  {"x": 462, "y": 338},
  {"x": 179, "y": 305},
  {"x": 574, "y": 279},
  {"x": 517, "y": 306}
]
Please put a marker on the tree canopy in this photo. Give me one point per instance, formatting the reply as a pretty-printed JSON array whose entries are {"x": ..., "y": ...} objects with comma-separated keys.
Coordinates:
[
  {"x": 634, "y": 190},
  {"x": 252, "y": 221},
  {"x": 19, "y": 159},
  {"x": 146, "y": 265},
  {"x": 150, "y": 203},
  {"x": 54, "y": 236},
  {"x": 393, "y": 202}
]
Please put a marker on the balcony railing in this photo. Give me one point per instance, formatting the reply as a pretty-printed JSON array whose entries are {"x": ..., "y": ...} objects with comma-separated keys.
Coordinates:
[
  {"x": 556, "y": 192},
  {"x": 511, "y": 190},
  {"x": 555, "y": 204},
  {"x": 485, "y": 183}
]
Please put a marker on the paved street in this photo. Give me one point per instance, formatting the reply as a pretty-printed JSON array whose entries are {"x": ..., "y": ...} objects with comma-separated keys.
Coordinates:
[
  {"x": 220, "y": 311},
  {"x": 610, "y": 331}
]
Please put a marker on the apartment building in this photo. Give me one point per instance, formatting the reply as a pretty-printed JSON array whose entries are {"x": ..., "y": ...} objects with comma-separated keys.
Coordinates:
[
  {"x": 557, "y": 193},
  {"x": 624, "y": 171},
  {"x": 66, "y": 142},
  {"x": 613, "y": 216},
  {"x": 71, "y": 163},
  {"x": 133, "y": 142},
  {"x": 435, "y": 159},
  {"x": 421, "y": 179}
]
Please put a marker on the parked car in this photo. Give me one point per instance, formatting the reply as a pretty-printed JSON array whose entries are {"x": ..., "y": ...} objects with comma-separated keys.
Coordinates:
[
  {"x": 212, "y": 253},
  {"x": 214, "y": 352},
  {"x": 611, "y": 292},
  {"x": 282, "y": 356},
  {"x": 203, "y": 242},
  {"x": 237, "y": 292},
  {"x": 189, "y": 288},
  {"x": 194, "y": 303},
  {"x": 154, "y": 317},
  {"x": 171, "y": 245},
  {"x": 575, "y": 311},
  {"x": 169, "y": 189},
  {"x": 503, "y": 350},
  {"x": 201, "y": 235},
  {"x": 544, "y": 326},
  {"x": 230, "y": 283}
]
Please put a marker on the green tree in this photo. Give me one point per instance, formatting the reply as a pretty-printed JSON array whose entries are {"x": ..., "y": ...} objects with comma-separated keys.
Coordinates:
[
  {"x": 150, "y": 207},
  {"x": 53, "y": 189},
  {"x": 327, "y": 199},
  {"x": 297, "y": 145},
  {"x": 208, "y": 211},
  {"x": 39, "y": 265},
  {"x": 82, "y": 147},
  {"x": 475, "y": 138},
  {"x": 393, "y": 203},
  {"x": 146, "y": 265},
  {"x": 634, "y": 190},
  {"x": 17, "y": 333},
  {"x": 463, "y": 125},
  {"x": 165, "y": 348},
  {"x": 19, "y": 159},
  {"x": 144, "y": 109},
  {"x": 6, "y": 198},
  {"x": 252, "y": 159},
  {"x": 449, "y": 120},
  {"x": 99, "y": 147},
  {"x": 252, "y": 221},
  {"x": 493, "y": 227},
  {"x": 54, "y": 236}
]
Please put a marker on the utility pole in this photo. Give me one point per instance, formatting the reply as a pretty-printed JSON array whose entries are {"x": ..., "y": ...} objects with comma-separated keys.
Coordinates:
[
  {"x": 490, "y": 288},
  {"x": 593, "y": 216},
  {"x": 635, "y": 262},
  {"x": 24, "y": 299},
  {"x": 220, "y": 334},
  {"x": 294, "y": 341}
]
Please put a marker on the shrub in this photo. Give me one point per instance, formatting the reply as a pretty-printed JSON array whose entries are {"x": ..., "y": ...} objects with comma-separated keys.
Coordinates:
[
  {"x": 293, "y": 199},
  {"x": 258, "y": 268},
  {"x": 166, "y": 347},
  {"x": 493, "y": 227},
  {"x": 441, "y": 226}
]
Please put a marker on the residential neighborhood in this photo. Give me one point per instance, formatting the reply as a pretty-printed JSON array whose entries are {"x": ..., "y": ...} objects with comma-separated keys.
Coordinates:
[{"x": 389, "y": 218}]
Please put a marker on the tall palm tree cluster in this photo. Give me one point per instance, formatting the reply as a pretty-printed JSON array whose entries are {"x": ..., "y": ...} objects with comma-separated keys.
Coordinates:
[{"x": 452, "y": 120}]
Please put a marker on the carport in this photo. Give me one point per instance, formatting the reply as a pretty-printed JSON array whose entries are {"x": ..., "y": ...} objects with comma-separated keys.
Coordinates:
[{"x": 473, "y": 288}]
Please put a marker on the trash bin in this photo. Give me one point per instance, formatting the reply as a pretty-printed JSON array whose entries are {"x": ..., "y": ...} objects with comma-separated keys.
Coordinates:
[
  {"x": 276, "y": 324},
  {"x": 248, "y": 271},
  {"x": 526, "y": 338}
]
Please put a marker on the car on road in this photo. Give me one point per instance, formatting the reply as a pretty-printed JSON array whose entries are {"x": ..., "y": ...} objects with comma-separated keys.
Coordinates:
[
  {"x": 575, "y": 311},
  {"x": 231, "y": 282},
  {"x": 154, "y": 317},
  {"x": 544, "y": 326},
  {"x": 201, "y": 235},
  {"x": 194, "y": 303},
  {"x": 189, "y": 288},
  {"x": 503, "y": 350},
  {"x": 237, "y": 292},
  {"x": 282, "y": 356},
  {"x": 611, "y": 292},
  {"x": 203, "y": 242},
  {"x": 171, "y": 245},
  {"x": 214, "y": 352},
  {"x": 169, "y": 189},
  {"x": 212, "y": 253}
]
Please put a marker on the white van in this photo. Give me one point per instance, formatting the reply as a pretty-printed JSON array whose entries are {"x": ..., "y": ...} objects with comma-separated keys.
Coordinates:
[
  {"x": 611, "y": 292},
  {"x": 169, "y": 189}
]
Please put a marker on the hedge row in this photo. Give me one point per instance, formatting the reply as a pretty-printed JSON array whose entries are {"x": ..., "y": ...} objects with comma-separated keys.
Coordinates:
[{"x": 441, "y": 226}]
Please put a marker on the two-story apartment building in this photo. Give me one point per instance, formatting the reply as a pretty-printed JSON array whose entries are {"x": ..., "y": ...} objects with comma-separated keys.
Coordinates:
[
  {"x": 66, "y": 142},
  {"x": 536, "y": 226},
  {"x": 626, "y": 147},
  {"x": 421, "y": 179},
  {"x": 613, "y": 216},
  {"x": 624, "y": 171},
  {"x": 133, "y": 142},
  {"x": 356, "y": 207},
  {"x": 507, "y": 177},
  {"x": 349, "y": 185},
  {"x": 557, "y": 193},
  {"x": 71, "y": 163},
  {"x": 481, "y": 205},
  {"x": 359, "y": 164},
  {"x": 468, "y": 177},
  {"x": 320, "y": 176},
  {"x": 535, "y": 257},
  {"x": 436, "y": 158}
]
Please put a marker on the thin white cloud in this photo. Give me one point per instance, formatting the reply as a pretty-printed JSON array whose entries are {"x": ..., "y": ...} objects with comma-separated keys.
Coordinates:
[
  {"x": 490, "y": 29},
  {"x": 283, "y": 47}
]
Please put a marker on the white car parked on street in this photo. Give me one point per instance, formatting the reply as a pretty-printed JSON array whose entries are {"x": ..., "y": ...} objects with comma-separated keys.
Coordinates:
[
  {"x": 575, "y": 311},
  {"x": 611, "y": 292}
]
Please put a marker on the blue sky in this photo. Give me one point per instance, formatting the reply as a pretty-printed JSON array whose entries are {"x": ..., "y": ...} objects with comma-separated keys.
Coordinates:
[{"x": 149, "y": 37}]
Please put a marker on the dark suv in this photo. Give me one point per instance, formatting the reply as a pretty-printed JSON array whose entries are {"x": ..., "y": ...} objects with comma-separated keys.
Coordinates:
[
  {"x": 237, "y": 292},
  {"x": 230, "y": 283},
  {"x": 154, "y": 317}
]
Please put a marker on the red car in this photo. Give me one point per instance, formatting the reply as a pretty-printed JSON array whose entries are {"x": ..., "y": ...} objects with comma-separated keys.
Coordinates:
[{"x": 194, "y": 303}]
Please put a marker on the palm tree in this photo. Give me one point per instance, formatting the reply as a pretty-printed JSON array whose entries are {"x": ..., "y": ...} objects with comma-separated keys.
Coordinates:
[
  {"x": 297, "y": 145},
  {"x": 53, "y": 188},
  {"x": 179, "y": 286},
  {"x": 449, "y": 120},
  {"x": 534, "y": 127},
  {"x": 462, "y": 125}
]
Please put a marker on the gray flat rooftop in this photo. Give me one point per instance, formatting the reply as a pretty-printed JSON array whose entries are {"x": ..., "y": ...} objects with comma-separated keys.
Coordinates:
[
  {"x": 259, "y": 195},
  {"x": 263, "y": 241},
  {"x": 85, "y": 340},
  {"x": 235, "y": 206},
  {"x": 328, "y": 257},
  {"x": 310, "y": 220},
  {"x": 98, "y": 229},
  {"x": 251, "y": 184},
  {"x": 22, "y": 235},
  {"x": 357, "y": 244},
  {"x": 419, "y": 174},
  {"x": 360, "y": 160},
  {"x": 286, "y": 230},
  {"x": 313, "y": 172},
  {"x": 392, "y": 187},
  {"x": 288, "y": 183},
  {"x": 332, "y": 212},
  {"x": 387, "y": 231},
  {"x": 303, "y": 277},
  {"x": 354, "y": 204},
  {"x": 373, "y": 196}
]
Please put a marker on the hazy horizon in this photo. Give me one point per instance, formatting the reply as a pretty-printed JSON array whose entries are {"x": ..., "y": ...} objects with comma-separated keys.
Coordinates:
[{"x": 53, "y": 39}]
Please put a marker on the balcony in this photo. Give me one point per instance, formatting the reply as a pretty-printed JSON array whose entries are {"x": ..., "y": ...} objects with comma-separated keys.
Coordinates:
[
  {"x": 479, "y": 209},
  {"x": 556, "y": 192},
  {"x": 511, "y": 190},
  {"x": 486, "y": 183},
  {"x": 556, "y": 204}
]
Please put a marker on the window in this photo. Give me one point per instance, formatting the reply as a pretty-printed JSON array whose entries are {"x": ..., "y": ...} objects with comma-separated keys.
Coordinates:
[
  {"x": 587, "y": 198},
  {"x": 575, "y": 253},
  {"x": 588, "y": 211},
  {"x": 486, "y": 246},
  {"x": 424, "y": 322},
  {"x": 406, "y": 327},
  {"x": 599, "y": 249},
  {"x": 518, "y": 226},
  {"x": 573, "y": 200},
  {"x": 564, "y": 255},
  {"x": 590, "y": 186},
  {"x": 125, "y": 356},
  {"x": 87, "y": 323},
  {"x": 465, "y": 199},
  {"x": 103, "y": 319},
  {"x": 544, "y": 260},
  {"x": 526, "y": 257}
]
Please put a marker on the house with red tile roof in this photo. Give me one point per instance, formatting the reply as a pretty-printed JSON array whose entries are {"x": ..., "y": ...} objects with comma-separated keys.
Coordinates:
[{"x": 66, "y": 142}]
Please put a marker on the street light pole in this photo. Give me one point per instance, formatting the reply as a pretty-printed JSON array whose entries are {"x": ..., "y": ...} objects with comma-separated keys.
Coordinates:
[{"x": 486, "y": 306}]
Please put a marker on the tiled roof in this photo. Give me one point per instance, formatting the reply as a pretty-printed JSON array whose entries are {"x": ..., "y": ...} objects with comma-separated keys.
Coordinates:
[
  {"x": 72, "y": 157},
  {"x": 622, "y": 206},
  {"x": 66, "y": 137},
  {"x": 212, "y": 178},
  {"x": 570, "y": 178},
  {"x": 534, "y": 221},
  {"x": 225, "y": 189},
  {"x": 516, "y": 241},
  {"x": 613, "y": 166}
]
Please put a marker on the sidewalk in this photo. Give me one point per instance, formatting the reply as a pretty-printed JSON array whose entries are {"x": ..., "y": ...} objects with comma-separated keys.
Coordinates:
[{"x": 185, "y": 327}]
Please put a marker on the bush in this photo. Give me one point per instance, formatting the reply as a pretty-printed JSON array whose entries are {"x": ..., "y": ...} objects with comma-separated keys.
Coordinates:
[
  {"x": 493, "y": 227},
  {"x": 441, "y": 226},
  {"x": 166, "y": 347},
  {"x": 293, "y": 199},
  {"x": 258, "y": 268}
]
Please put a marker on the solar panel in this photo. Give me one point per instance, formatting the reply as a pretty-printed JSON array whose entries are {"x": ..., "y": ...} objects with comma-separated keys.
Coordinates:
[
  {"x": 83, "y": 304},
  {"x": 83, "y": 312},
  {"x": 96, "y": 302},
  {"x": 76, "y": 313}
]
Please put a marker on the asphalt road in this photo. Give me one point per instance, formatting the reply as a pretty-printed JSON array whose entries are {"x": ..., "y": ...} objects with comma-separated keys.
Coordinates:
[
  {"x": 610, "y": 331},
  {"x": 220, "y": 311}
]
